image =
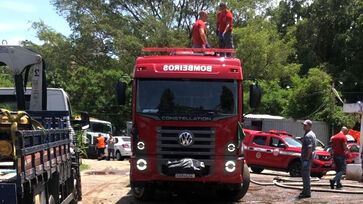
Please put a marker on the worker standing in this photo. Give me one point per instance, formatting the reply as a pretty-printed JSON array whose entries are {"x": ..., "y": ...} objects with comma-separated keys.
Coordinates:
[
  {"x": 307, "y": 157},
  {"x": 224, "y": 28},
  {"x": 111, "y": 147},
  {"x": 200, "y": 32},
  {"x": 101, "y": 145},
  {"x": 339, "y": 144}
]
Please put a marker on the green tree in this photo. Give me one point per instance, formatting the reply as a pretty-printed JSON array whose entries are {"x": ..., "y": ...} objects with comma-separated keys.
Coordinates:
[
  {"x": 263, "y": 54},
  {"x": 309, "y": 94},
  {"x": 6, "y": 78}
]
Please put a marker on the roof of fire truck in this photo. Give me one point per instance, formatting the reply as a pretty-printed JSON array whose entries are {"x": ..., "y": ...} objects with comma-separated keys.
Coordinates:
[{"x": 193, "y": 63}]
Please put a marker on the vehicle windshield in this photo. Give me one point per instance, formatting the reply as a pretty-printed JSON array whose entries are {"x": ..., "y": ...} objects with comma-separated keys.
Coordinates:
[
  {"x": 101, "y": 127},
  {"x": 318, "y": 143},
  {"x": 350, "y": 139},
  {"x": 126, "y": 139},
  {"x": 9, "y": 102},
  {"x": 292, "y": 142},
  {"x": 187, "y": 97}
]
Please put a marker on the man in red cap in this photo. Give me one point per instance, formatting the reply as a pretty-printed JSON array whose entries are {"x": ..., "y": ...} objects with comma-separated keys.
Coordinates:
[
  {"x": 224, "y": 28},
  {"x": 307, "y": 157}
]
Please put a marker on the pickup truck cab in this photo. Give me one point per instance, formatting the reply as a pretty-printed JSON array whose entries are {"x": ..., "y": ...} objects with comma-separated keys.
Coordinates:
[{"x": 280, "y": 151}]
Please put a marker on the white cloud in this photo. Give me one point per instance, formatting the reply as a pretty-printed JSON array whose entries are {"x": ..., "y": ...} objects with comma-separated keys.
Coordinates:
[
  {"x": 18, "y": 6},
  {"x": 15, "y": 40},
  {"x": 8, "y": 27}
]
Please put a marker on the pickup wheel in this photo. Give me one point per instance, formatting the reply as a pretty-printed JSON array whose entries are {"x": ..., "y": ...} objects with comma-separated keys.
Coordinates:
[
  {"x": 119, "y": 156},
  {"x": 319, "y": 175},
  {"x": 256, "y": 170},
  {"x": 295, "y": 169},
  {"x": 234, "y": 192},
  {"x": 142, "y": 192}
]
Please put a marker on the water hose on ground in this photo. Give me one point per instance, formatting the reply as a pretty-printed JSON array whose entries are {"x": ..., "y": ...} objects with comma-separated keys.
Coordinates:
[{"x": 297, "y": 184}]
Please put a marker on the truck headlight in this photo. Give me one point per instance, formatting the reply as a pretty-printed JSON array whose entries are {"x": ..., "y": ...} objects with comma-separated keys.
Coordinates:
[
  {"x": 141, "y": 164},
  {"x": 231, "y": 147},
  {"x": 230, "y": 166},
  {"x": 140, "y": 145}
]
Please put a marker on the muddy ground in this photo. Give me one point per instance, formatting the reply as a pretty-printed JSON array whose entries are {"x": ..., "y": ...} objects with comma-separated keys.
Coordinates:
[{"x": 107, "y": 182}]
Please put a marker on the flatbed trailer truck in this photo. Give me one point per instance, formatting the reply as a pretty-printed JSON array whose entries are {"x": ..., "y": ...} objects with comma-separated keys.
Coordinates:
[{"x": 39, "y": 160}]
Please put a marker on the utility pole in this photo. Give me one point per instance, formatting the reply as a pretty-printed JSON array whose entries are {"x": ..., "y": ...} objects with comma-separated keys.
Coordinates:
[{"x": 332, "y": 107}]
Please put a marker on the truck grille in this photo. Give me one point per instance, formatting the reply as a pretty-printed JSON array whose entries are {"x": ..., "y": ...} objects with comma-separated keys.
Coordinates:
[{"x": 202, "y": 148}]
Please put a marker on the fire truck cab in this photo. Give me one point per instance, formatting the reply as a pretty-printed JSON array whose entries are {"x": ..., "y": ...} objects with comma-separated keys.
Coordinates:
[{"x": 186, "y": 107}]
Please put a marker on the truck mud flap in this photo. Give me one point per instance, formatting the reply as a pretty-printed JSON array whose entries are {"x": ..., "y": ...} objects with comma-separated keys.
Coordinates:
[{"x": 8, "y": 193}]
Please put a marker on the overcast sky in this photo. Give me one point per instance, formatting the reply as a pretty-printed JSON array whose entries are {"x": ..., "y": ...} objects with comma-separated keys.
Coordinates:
[{"x": 16, "y": 17}]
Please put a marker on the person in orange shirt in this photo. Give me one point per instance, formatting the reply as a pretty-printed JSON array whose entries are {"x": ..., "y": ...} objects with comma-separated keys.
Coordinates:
[
  {"x": 224, "y": 28},
  {"x": 101, "y": 145},
  {"x": 200, "y": 32}
]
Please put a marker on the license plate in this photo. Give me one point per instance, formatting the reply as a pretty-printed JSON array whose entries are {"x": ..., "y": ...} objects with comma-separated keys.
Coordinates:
[
  {"x": 327, "y": 165},
  {"x": 184, "y": 175}
]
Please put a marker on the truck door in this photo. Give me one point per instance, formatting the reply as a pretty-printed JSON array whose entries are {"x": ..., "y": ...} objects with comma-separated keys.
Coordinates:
[
  {"x": 257, "y": 150},
  {"x": 275, "y": 156}
]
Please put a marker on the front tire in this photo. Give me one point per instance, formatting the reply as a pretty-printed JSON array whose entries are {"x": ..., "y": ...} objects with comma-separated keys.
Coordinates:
[
  {"x": 295, "y": 169},
  {"x": 142, "y": 192},
  {"x": 256, "y": 170},
  {"x": 319, "y": 175},
  {"x": 119, "y": 156},
  {"x": 235, "y": 192}
]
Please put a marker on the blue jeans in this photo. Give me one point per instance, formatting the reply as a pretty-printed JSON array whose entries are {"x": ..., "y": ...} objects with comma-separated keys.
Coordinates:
[
  {"x": 340, "y": 167},
  {"x": 226, "y": 42},
  {"x": 197, "y": 46},
  {"x": 111, "y": 151}
]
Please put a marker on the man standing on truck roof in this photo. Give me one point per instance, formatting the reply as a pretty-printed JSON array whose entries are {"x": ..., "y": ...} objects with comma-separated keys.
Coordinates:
[
  {"x": 224, "y": 28},
  {"x": 307, "y": 157},
  {"x": 101, "y": 145},
  {"x": 339, "y": 144},
  {"x": 200, "y": 32}
]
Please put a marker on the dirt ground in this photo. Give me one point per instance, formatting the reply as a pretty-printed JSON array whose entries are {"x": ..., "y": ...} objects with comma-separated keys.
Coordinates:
[{"x": 107, "y": 182}]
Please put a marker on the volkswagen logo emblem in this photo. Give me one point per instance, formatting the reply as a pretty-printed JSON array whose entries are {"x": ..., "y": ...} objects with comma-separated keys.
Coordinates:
[{"x": 185, "y": 138}]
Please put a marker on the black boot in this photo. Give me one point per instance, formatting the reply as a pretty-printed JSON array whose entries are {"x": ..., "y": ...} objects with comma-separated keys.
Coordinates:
[{"x": 331, "y": 183}]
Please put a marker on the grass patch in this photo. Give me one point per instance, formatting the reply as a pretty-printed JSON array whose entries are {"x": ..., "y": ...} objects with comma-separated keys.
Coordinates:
[{"x": 84, "y": 167}]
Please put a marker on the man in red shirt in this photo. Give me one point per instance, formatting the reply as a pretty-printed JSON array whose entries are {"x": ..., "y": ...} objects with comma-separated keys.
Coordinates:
[
  {"x": 224, "y": 28},
  {"x": 339, "y": 144},
  {"x": 200, "y": 32}
]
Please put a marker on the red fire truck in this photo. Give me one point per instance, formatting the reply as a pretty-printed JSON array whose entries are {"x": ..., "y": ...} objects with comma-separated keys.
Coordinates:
[{"x": 186, "y": 107}]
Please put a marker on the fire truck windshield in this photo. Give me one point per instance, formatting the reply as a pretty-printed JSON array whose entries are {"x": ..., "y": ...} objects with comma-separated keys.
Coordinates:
[{"x": 207, "y": 98}]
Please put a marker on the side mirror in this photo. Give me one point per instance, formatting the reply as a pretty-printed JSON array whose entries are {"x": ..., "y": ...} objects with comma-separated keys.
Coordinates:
[
  {"x": 282, "y": 145},
  {"x": 255, "y": 95},
  {"x": 121, "y": 93}
]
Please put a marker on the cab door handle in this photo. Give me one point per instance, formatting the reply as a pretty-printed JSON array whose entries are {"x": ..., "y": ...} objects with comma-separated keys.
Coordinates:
[{"x": 270, "y": 151}]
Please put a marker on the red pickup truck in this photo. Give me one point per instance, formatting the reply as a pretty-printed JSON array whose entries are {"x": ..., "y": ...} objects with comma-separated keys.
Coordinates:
[{"x": 280, "y": 151}]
